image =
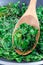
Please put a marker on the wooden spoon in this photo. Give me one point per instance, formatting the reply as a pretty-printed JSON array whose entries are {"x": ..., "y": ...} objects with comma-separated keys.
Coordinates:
[{"x": 30, "y": 18}]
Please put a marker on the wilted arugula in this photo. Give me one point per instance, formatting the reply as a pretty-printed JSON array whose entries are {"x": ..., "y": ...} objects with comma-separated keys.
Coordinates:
[{"x": 25, "y": 37}]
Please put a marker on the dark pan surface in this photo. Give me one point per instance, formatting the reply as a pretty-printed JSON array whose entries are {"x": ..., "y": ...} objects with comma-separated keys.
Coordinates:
[{"x": 5, "y": 2}]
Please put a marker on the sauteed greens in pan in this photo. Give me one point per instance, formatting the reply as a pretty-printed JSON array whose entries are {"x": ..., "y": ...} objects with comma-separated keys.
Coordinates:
[{"x": 9, "y": 16}]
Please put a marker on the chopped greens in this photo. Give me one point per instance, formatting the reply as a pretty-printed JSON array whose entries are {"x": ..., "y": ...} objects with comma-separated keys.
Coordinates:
[
  {"x": 9, "y": 16},
  {"x": 25, "y": 37}
]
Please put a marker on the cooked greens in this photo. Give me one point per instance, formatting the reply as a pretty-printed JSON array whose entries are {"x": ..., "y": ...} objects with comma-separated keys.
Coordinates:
[
  {"x": 25, "y": 37},
  {"x": 9, "y": 16}
]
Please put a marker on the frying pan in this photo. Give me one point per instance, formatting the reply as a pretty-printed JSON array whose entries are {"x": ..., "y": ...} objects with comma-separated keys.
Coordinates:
[{"x": 4, "y": 61}]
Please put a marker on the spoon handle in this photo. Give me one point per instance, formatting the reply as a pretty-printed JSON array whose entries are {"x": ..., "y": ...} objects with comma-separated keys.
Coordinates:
[
  {"x": 32, "y": 4},
  {"x": 31, "y": 9}
]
